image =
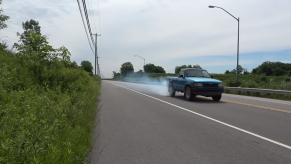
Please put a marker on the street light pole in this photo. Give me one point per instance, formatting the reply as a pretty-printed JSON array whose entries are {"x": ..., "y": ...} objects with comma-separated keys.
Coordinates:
[
  {"x": 237, "y": 63},
  {"x": 237, "y": 58},
  {"x": 143, "y": 61}
]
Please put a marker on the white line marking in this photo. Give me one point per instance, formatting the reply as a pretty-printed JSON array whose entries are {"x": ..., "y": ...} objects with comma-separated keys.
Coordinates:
[
  {"x": 259, "y": 99},
  {"x": 212, "y": 119}
]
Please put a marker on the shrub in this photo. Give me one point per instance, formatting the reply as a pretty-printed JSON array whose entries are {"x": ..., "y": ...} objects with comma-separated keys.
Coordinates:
[
  {"x": 47, "y": 110},
  {"x": 263, "y": 78}
]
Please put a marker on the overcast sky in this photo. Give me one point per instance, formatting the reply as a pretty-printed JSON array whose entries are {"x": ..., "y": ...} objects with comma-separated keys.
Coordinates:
[{"x": 166, "y": 33}]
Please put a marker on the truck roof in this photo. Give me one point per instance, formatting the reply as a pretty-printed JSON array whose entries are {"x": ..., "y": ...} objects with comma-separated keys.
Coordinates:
[{"x": 191, "y": 69}]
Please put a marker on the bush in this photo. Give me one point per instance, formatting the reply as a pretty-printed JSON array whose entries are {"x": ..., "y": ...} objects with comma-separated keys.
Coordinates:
[
  {"x": 47, "y": 110},
  {"x": 263, "y": 78}
]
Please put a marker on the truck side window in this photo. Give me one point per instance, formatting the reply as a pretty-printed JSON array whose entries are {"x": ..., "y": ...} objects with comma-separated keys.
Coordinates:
[
  {"x": 185, "y": 73},
  {"x": 181, "y": 73}
]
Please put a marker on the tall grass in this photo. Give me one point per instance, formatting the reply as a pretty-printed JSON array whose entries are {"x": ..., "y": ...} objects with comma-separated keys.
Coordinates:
[{"x": 47, "y": 109}]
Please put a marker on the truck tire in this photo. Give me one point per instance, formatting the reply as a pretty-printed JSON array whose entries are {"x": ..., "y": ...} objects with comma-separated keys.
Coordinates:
[
  {"x": 216, "y": 98},
  {"x": 188, "y": 93},
  {"x": 171, "y": 90}
]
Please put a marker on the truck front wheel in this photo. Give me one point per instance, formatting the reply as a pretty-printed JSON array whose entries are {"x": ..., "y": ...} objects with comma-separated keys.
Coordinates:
[
  {"x": 216, "y": 98},
  {"x": 171, "y": 90},
  {"x": 188, "y": 93}
]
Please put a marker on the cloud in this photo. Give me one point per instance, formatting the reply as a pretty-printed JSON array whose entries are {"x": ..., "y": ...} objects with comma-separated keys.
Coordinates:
[{"x": 164, "y": 32}]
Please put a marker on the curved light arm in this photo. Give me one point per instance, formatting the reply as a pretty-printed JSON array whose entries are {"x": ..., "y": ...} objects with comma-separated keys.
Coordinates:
[
  {"x": 225, "y": 11},
  {"x": 139, "y": 56}
]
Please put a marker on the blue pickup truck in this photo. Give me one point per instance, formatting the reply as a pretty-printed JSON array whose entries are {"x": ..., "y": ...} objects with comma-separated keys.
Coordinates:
[{"x": 192, "y": 82}]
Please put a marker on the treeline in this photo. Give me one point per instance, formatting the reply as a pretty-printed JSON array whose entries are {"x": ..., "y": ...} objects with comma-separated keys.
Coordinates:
[
  {"x": 127, "y": 69},
  {"x": 178, "y": 68},
  {"x": 273, "y": 69},
  {"x": 47, "y": 102},
  {"x": 266, "y": 68}
]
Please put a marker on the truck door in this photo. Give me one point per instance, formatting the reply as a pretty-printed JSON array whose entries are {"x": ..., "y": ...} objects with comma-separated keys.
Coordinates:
[{"x": 181, "y": 81}]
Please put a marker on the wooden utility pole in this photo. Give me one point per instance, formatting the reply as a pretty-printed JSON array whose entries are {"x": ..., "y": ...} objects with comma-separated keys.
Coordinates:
[{"x": 96, "y": 55}]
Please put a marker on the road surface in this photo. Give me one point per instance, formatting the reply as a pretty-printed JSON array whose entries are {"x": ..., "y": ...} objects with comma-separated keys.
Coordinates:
[{"x": 139, "y": 123}]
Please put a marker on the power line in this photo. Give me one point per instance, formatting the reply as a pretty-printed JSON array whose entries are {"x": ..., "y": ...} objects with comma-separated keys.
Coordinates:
[
  {"x": 88, "y": 23},
  {"x": 99, "y": 17},
  {"x": 84, "y": 25},
  {"x": 92, "y": 13},
  {"x": 99, "y": 26}
]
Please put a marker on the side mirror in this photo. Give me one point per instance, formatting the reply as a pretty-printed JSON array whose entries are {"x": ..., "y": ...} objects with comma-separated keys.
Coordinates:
[
  {"x": 211, "y": 76},
  {"x": 181, "y": 76}
]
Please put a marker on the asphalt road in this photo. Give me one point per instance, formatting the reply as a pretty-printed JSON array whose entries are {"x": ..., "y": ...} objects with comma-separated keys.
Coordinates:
[{"x": 139, "y": 123}]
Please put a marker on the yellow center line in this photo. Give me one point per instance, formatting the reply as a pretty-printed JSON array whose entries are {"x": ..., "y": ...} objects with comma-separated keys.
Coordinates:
[{"x": 257, "y": 106}]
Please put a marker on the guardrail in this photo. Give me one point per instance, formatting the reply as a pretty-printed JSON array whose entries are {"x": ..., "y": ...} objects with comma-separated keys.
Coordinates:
[{"x": 282, "y": 92}]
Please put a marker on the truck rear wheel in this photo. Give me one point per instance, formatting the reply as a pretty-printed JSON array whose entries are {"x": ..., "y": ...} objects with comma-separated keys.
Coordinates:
[
  {"x": 188, "y": 94},
  {"x": 171, "y": 90},
  {"x": 216, "y": 98}
]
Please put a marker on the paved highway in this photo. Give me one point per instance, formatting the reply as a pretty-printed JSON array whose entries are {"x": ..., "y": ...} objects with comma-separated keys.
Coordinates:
[{"x": 139, "y": 123}]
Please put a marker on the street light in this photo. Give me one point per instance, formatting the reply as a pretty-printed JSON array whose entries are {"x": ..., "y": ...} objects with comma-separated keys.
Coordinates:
[
  {"x": 237, "y": 38},
  {"x": 143, "y": 61}
]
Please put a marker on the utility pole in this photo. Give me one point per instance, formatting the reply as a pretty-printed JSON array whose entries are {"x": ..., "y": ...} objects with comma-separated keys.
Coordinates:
[{"x": 96, "y": 55}]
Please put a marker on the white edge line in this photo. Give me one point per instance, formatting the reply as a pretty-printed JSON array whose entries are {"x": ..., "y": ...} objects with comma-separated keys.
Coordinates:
[
  {"x": 212, "y": 119},
  {"x": 259, "y": 99}
]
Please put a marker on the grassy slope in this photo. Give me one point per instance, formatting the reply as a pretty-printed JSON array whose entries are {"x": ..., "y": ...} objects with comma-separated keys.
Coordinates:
[{"x": 46, "y": 111}]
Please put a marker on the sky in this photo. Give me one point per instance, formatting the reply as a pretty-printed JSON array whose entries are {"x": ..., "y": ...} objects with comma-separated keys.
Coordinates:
[{"x": 167, "y": 33}]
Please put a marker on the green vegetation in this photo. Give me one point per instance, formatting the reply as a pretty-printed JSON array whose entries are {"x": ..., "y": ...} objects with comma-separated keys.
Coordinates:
[
  {"x": 3, "y": 18},
  {"x": 47, "y": 103},
  {"x": 126, "y": 69},
  {"x": 178, "y": 68},
  {"x": 241, "y": 70},
  {"x": 273, "y": 69},
  {"x": 257, "y": 81},
  {"x": 151, "y": 68},
  {"x": 87, "y": 66}
]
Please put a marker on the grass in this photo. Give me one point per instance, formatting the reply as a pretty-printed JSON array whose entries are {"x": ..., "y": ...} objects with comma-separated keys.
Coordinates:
[{"x": 47, "y": 109}]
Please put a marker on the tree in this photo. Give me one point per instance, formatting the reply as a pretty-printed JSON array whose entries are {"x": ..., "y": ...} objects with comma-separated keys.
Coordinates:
[
  {"x": 151, "y": 68},
  {"x": 245, "y": 72},
  {"x": 178, "y": 68},
  {"x": 126, "y": 68},
  {"x": 279, "y": 71},
  {"x": 29, "y": 27},
  {"x": 240, "y": 68},
  {"x": 74, "y": 65},
  {"x": 87, "y": 66},
  {"x": 197, "y": 66},
  {"x": 272, "y": 68},
  {"x": 116, "y": 75},
  {"x": 227, "y": 72},
  {"x": 3, "y": 44},
  {"x": 3, "y": 18},
  {"x": 35, "y": 43}
]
